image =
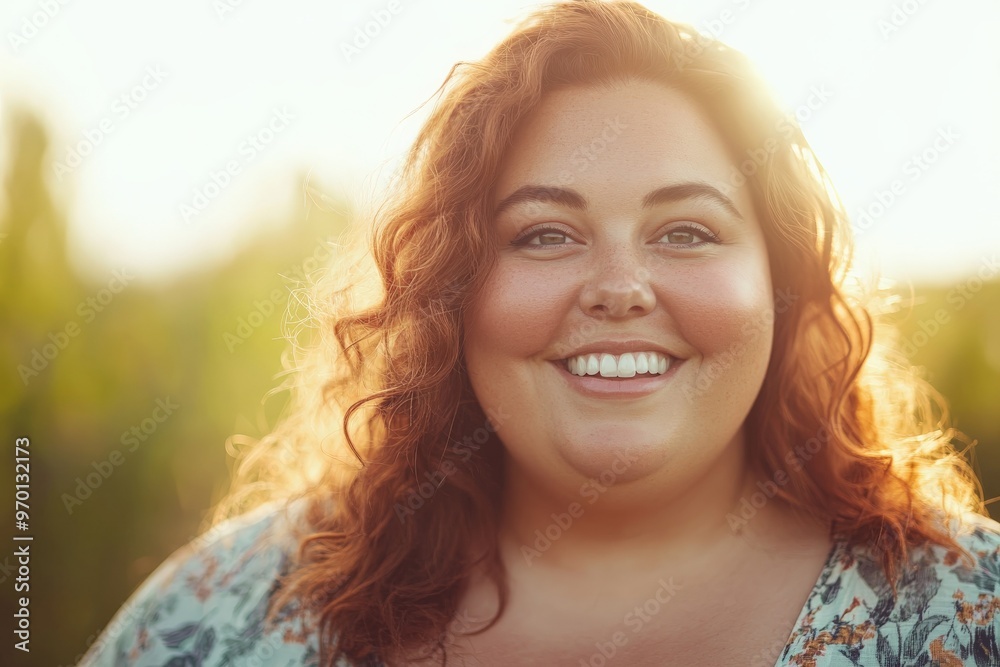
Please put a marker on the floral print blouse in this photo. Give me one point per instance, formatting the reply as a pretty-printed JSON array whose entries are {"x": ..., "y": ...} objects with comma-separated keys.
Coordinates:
[{"x": 205, "y": 607}]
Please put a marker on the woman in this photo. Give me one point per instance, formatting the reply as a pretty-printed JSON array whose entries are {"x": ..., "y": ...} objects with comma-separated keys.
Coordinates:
[{"x": 616, "y": 404}]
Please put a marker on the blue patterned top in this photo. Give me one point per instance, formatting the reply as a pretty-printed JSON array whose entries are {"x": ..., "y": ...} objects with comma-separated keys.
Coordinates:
[{"x": 205, "y": 607}]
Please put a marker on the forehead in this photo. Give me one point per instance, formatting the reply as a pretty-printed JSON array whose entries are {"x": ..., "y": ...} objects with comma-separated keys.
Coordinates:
[{"x": 617, "y": 142}]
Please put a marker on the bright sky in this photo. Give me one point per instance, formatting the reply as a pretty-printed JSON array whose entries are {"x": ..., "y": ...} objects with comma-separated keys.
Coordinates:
[{"x": 905, "y": 97}]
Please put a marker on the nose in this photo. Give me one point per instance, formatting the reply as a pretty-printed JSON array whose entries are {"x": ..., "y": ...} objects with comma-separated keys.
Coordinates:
[{"x": 620, "y": 288}]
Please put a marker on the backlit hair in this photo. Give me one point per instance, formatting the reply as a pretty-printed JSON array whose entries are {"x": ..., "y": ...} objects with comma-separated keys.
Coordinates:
[{"x": 378, "y": 442}]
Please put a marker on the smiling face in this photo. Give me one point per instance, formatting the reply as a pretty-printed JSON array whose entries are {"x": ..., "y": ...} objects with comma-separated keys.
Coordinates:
[{"x": 618, "y": 222}]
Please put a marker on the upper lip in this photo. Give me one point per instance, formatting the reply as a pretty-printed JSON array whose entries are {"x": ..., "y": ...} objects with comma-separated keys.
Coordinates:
[{"x": 620, "y": 347}]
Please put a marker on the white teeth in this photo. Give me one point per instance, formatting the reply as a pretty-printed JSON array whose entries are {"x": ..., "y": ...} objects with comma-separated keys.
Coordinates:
[
  {"x": 641, "y": 364},
  {"x": 626, "y": 365},
  {"x": 608, "y": 367}
]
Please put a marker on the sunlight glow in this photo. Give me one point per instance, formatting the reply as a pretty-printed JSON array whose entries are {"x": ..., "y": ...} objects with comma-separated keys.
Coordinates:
[{"x": 178, "y": 100}]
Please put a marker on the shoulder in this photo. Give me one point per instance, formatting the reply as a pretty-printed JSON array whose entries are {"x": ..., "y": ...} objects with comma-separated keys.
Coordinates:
[
  {"x": 971, "y": 585},
  {"x": 206, "y": 603},
  {"x": 946, "y": 611},
  {"x": 937, "y": 577}
]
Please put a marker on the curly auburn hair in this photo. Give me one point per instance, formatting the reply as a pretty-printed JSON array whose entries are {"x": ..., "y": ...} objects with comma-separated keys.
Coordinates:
[{"x": 385, "y": 567}]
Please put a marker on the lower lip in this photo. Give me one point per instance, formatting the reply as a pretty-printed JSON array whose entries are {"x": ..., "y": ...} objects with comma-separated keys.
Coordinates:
[{"x": 633, "y": 387}]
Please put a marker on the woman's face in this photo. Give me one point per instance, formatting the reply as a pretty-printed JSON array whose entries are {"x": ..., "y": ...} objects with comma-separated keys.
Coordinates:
[{"x": 618, "y": 221}]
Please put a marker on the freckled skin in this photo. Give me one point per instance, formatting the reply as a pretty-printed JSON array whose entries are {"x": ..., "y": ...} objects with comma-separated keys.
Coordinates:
[{"x": 614, "y": 272}]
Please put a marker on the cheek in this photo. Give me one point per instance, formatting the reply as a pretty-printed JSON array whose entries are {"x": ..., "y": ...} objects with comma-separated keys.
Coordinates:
[
  {"x": 516, "y": 314},
  {"x": 720, "y": 308}
]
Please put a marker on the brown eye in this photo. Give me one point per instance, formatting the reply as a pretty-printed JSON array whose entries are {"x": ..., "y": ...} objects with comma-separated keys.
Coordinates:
[
  {"x": 689, "y": 235},
  {"x": 681, "y": 237},
  {"x": 556, "y": 237},
  {"x": 550, "y": 235}
]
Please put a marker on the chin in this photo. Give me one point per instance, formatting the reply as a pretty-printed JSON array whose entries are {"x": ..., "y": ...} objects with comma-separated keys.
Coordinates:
[{"x": 613, "y": 453}]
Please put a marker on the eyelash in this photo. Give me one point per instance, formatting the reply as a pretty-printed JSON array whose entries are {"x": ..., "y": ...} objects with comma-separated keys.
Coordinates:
[{"x": 522, "y": 239}]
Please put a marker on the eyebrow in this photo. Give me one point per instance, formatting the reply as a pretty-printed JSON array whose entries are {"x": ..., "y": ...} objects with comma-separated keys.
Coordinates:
[{"x": 574, "y": 200}]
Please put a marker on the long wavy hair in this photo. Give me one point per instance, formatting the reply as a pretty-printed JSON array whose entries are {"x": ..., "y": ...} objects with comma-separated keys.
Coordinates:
[{"x": 398, "y": 464}]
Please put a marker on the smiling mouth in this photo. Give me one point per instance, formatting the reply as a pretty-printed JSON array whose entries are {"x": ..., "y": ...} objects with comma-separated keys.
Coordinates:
[
  {"x": 619, "y": 367},
  {"x": 617, "y": 388}
]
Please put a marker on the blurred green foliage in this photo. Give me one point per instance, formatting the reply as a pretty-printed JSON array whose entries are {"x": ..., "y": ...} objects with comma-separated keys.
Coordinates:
[
  {"x": 952, "y": 333},
  {"x": 210, "y": 344},
  {"x": 197, "y": 347}
]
